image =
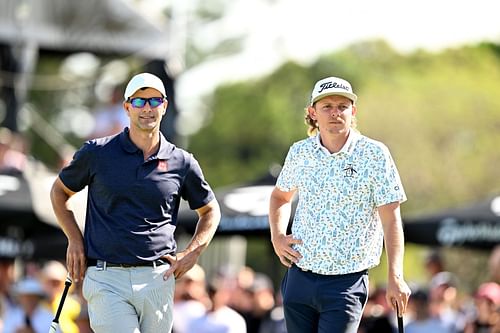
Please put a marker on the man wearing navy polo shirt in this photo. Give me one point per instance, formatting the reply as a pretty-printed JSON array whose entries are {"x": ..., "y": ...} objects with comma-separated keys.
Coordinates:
[
  {"x": 127, "y": 255},
  {"x": 349, "y": 195}
]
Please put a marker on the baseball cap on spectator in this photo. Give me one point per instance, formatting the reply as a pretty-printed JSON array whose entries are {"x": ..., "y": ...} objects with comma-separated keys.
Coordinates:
[
  {"x": 261, "y": 282},
  {"x": 195, "y": 273},
  {"x": 54, "y": 270},
  {"x": 144, "y": 80},
  {"x": 444, "y": 279},
  {"x": 29, "y": 286},
  {"x": 332, "y": 86},
  {"x": 10, "y": 248},
  {"x": 489, "y": 290}
]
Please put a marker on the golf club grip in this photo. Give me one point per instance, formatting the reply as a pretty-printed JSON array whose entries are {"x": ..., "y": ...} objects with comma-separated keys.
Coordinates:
[
  {"x": 401, "y": 328},
  {"x": 53, "y": 327},
  {"x": 67, "y": 284}
]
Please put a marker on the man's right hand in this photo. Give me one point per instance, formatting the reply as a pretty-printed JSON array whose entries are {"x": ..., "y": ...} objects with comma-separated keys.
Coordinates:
[
  {"x": 76, "y": 261},
  {"x": 282, "y": 245}
]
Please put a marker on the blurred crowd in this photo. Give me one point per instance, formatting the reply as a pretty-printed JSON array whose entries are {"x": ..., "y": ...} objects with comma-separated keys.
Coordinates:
[
  {"x": 29, "y": 299},
  {"x": 440, "y": 305},
  {"x": 243, "y": 300}
]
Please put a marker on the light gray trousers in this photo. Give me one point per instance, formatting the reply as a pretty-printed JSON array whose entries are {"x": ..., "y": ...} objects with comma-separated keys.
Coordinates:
[{"x": 129, "y": 300}]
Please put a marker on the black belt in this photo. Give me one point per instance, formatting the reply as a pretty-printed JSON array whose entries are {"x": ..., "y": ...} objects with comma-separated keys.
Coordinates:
[{"x": 104, "y": 263}]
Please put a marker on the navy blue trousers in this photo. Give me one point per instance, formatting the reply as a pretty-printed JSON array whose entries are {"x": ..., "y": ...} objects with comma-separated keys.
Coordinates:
[{"x": 315, "y": 303}]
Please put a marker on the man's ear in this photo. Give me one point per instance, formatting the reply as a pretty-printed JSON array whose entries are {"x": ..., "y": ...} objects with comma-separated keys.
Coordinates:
[
  {"x": 354, "y": 110},
  {"x": 166, "y": 107},
  {"x": 125, "y": 107},
  {"x": 312, "y": 112}
]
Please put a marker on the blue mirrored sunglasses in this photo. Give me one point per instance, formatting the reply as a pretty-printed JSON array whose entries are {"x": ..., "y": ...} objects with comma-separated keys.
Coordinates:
[{"x": 140, "y": 102}]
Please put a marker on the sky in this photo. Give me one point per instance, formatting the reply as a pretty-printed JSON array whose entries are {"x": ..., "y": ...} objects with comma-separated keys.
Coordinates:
[{"x": 302, "y": 30}]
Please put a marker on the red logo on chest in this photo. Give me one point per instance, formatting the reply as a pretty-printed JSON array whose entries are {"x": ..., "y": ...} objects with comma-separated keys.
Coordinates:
[{"x": 162, "y": 165}]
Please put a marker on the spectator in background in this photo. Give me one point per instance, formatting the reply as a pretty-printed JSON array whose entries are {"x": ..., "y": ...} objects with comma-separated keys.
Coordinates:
[
  {"x": 434, "y": 263},
  {"x": 7, "y": 276},
  {"x": 487, "y": 307},
  {"x": 496, "y": 327},
  {"x": 241, "y": 298},
  {"x": 83, "y": 321},
  {"x": 31, "y": 316},
  {"x": 12, "y": 151},
  {"x": 10, "y": 67},
  {"x": 220, "y": 318},
  {"x": 494, "y": 264},
  {"x": 53, "y": 275},
  {"x": 423, "y": 321},
  {"x": 275, "y": 322},
  {"x": 261, "y": 294},
  {"x": 444, "y": 301},
  {"x": 253, "y": 298},
  {"x": 190, "y": 298},
  {"x": 376, "y": 314},
  {"x": 110, "y": 118}
]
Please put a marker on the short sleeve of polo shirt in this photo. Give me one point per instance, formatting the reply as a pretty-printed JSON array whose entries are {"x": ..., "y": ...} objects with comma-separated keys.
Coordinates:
[
  {"x": 287, "y": 179},
  {"x": 388, "y": 186},
  {"x": 77, "y": 174},
  {"x": 196, "y": 190}
]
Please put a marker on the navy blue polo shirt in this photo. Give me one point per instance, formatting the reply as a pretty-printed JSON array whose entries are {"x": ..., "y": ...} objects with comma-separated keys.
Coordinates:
[{"x": 132, "y": 204}]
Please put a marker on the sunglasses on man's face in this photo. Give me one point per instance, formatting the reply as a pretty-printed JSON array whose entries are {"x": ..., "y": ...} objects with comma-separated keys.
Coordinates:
[{"x": 140, "y": 102}]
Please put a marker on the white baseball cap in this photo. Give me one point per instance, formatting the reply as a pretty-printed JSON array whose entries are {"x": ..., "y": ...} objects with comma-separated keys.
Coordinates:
[
  {"x": 144, "y": 80},
  {"x": 196, "y": 273},
  {"x": 54, "y": 270},
  {"x": 332, "y": 86}
]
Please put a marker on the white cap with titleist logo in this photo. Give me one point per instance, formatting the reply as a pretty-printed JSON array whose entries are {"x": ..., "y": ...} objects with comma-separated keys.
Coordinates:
[
  {"x": 144, "y": 80},
  {"x": 332, "y": 86}
]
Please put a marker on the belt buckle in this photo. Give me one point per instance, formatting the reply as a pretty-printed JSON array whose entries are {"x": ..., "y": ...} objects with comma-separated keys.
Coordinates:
[
  {"x": 100, "y": 265},
  {"x": 159, "y": 262}
]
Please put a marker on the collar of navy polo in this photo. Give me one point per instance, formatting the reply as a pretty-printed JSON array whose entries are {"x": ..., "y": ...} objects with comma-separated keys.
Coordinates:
[{"x": 127, "y": 145}]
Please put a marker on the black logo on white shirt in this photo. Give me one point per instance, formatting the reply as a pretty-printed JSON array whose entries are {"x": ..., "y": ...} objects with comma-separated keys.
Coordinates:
[{"x": 349, "y": 171}]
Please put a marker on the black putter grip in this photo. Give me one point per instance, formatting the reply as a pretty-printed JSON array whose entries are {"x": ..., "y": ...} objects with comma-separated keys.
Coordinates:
[
  {"x": 401, "y": 328},
  {"x": 67, "y": 284}
]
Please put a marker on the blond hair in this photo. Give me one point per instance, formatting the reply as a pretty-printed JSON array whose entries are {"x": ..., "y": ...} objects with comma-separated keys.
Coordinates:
[{"x": 312, "y": 125}]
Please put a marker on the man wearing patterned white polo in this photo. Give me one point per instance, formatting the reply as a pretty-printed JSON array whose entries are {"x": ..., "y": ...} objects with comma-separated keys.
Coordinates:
[{"x": 349, "y": 194}]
